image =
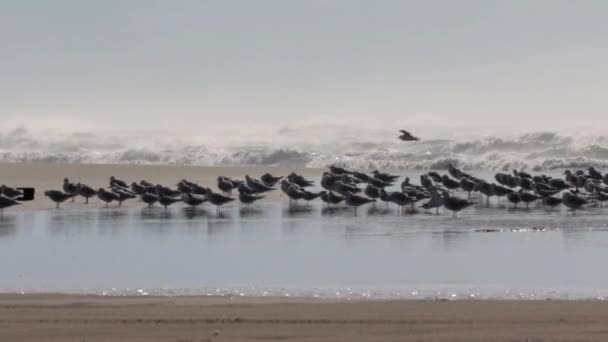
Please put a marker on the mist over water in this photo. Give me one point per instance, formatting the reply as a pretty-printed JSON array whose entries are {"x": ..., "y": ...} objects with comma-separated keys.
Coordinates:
[{"x": 312, "y": 145}]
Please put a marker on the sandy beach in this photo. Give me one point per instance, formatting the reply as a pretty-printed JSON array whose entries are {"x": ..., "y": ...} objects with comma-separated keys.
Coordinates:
[
  {"x": 50, "y": 176},
  {"x": 83, "y": 318}
]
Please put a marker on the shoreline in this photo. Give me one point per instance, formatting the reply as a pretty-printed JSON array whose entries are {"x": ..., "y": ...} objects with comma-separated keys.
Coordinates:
[{"x": 52, "y": 317}]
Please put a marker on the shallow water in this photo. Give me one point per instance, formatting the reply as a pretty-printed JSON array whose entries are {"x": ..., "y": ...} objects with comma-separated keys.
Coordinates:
[{"x": 269, "y": 250}]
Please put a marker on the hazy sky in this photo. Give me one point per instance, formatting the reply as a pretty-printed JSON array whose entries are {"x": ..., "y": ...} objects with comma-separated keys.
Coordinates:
[{"x": 197, "y": 64}]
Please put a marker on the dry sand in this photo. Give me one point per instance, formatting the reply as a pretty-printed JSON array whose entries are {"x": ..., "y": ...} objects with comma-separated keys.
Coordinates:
[
  {"x": 50, "y": 176},
  {"x": 82, "y": 318}
]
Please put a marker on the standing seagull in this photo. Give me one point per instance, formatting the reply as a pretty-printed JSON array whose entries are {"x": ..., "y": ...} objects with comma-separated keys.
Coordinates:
[
  {"x": 10, "y": 192},
  {"x": 107, "y": 196},
  {"x": 6, "y": 202},
  {"x": 455, "y": 204},
  {"x": 356, "y": 201},
  {"x": 86, "y": 192},
  {"x": 57, "y": 196},
  {"x": 573, "y": 201},
  {"x": 217, "y": 199},
  {"x": 407, "y": 136},
  {"x": 70, "y": 188}
]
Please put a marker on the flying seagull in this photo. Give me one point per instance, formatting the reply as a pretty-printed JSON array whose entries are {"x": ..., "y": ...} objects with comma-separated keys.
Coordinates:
[{"x": 407, "y": 136}]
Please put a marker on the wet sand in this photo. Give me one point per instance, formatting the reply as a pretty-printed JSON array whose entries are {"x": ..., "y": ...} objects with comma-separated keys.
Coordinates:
[
  {"x": 50, "y": 177},
  {"x": 83, "y": 318}
]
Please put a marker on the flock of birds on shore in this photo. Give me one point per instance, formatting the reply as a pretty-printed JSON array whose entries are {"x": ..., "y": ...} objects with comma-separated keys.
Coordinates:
[{"x": 575, "y": 190}]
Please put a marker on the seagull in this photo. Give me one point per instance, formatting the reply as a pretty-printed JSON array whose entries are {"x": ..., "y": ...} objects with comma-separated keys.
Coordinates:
[
  {"x": 372, "y": 192},
  {"x": 70, "y": 188},
  {"x": 331, "y": 198},
  {"x": 86, "y": 192},
  {"x": 514, "y": 198},
  {"x": 407, "y": 136},
  {"x": 455, "y": 204},
  {"x": 295, "y": 193},
  {"x": 256, "y": 185},
  {"x": 385, "y": 177},
  {"x": 248, "y": 199},
  {"x": 192, "y": 200},
  {"x": 343, "y": 189},
  {"x": 225, "y": 185},
  {"x": 114, "y": 181},
  {"x": 10, "y": 192},
  {"x": 107, "y": 196},
  {"x": 527, "y": 197},
  {"x": 309, "y": 196},
  {"x": 361, "y": 176},
  {"x": 217, "y": 199},
  {"x": 400, "y": 199},
  {"x": 573, "y": 201},
  {"x": 149, "y": 198},
  {"x": 436, "y": 201},
  {"x": 123, "y": 194},
  {"x": 299, "y": 180},
  {"x": 270, "y": 180},
  {"x": 57, "y": 196},
  {"x": 356, "y": 200},
  {"x": 6, "y": 202},
  {"x": 336, "y": 170},
  {"x": 552, "y": 201},
  {"x": 166, "y": 201}
]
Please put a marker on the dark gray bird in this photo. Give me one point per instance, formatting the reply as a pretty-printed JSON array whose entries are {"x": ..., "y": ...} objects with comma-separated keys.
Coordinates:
[
  {"x": 225, "y": 185},
  {"x": 400, "y": 199},
  {"x": 455, "y": 204},
  {"x": 10, "y": 192},
  {"x": 183, "y": 187},
  {"x": 435, "y": 202},
  {"x": 514, "y": 198},
  {"x": 407, "y": 136},
  {"x": 166, "y": 201},
  {"x": 146, "y": 184},
  {"x": 450, "y": 183},
  {"x": 257, "y": 186},
  {"x": 217, "y": 199},
  {"x": 70, "y": 188},
  {"x": 336, "y": 170},
  {"x": 249, "y": 199},
  {"x": 311, "y": 196},
  {"x": 361, "y": 176},
  {"x": 328, "y": 181},
  {"x": 244, "y": 189},
  {"x": 86, "y": 192},
  {"x": 117, "y": 182},
  {"x": 355, "y": 200},
  {"x": 343, "y": 189},
  {"x": 123, "y": 194},
  {"x": 6, "y": 202},
  {"x": 270, "y": 180},
  {"x": 573, "y": 201},
  {"x": 467, "y": 185},
  {"x": 107, "y": 196},
  {"x": 528, "y": 198},
  {"x": 167, "y": 192},
  {"x": 372, "y": 192},
  {"x": 331, "y": 198},
  {"x": 57, "y": 196},
  {"x": 552, "y": 201},
  {"x": 379, "y": 183},
  {"x": 435, "y": 176},
  {"x": 299, "y": 180},
  {"x": 385, "y": 177},
  {"x": 192, "y": 200},
  {"x": 454, "y": 171},
  {"x": 137, "y": 188},
  {"x": 149, "y": 198},
  {"x": 295, "y": 193}
]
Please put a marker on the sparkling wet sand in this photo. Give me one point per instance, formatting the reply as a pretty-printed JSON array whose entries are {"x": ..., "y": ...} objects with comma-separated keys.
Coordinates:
[{"x": 82, "y": 318}]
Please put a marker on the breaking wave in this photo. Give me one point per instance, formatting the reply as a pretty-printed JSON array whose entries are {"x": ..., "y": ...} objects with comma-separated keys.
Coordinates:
[{"x": 311, "y": 146}]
